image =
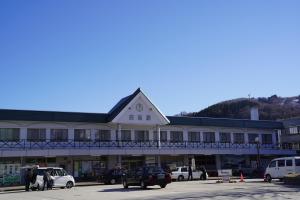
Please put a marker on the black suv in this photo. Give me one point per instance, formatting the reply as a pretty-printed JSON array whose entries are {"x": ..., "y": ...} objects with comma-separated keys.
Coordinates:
[
  {"x": 113, "y": 176},
  {"x": 146, "y": 176}
]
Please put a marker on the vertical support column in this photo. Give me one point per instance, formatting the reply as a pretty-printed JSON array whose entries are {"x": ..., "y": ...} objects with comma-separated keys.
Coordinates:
[
  {"x": 151, "y": 135},
  {"x": 71, "y": 135},
  {"x": 201, "y": 136},
  {"x": 132, "y": 135},
  {"x": 279, "y": 137},
  {"x": 231, "y": 138},
  {"x": 118, "y": 134},
  {"x": 185, "y": 135},
  {"x": 217, "y": 136},
  {"x": 274, "y": 139},
  {"x": 119, "y": 164},
  {"x": 93, "y": 134},
  {"x": 246, "y": 138},
  {"x": 218, "y": 162},
  {"x": 48, "y": 135},
  {"x": 158, "y": 137},
  {"x": 168, "y": 135},
  {"x": 113, "y": 135},
  {"x": 23, "y": 134}
]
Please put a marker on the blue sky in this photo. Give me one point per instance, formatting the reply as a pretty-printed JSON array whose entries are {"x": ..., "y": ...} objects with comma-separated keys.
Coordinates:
[{"x": 185, "y": 55}]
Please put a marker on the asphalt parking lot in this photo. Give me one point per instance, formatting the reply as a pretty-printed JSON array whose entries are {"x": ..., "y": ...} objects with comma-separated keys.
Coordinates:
[{"x": 251, "y": 189}]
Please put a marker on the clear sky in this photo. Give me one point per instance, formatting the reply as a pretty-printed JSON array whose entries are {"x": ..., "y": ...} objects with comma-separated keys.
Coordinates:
[{"x": 185, "y": 55}]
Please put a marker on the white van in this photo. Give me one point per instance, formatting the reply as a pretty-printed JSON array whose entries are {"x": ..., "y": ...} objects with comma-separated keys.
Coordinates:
[
  {"x": 280, "y": 167},
  {"x": 59, "y": 176}
]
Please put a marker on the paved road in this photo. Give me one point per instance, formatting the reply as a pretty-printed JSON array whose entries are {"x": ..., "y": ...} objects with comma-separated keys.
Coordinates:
[{"x": 179, "y": 190}]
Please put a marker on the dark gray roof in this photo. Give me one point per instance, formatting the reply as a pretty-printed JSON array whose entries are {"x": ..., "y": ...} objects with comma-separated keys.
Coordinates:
[
  {"x": 121, "y": 105},
  {"x": 291, "y": 122},
  {"x": 224, "y": 122},
  {"x": 30, "y": 115}
]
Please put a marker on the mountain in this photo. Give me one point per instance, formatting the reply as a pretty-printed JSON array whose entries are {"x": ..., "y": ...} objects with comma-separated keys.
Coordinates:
[{"x": 270, "y": 108}]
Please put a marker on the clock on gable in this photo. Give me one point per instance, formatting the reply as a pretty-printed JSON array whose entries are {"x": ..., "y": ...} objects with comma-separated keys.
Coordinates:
[{"x": 139, "y": 107}]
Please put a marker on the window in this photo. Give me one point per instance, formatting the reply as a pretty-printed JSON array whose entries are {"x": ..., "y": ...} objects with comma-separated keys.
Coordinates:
[
  {"x": 251, "y": 138},
  {"x": 184, "y": 169},
  {"x": 209, "y": 137},
  {"x": 297, "y": 162},
  {"x": 10, "y": 134},
  {"x": 194, "y": 136},
  {"x": 266, "y": 138},
  {"x": 293, "y": 130},
  {"x": 163, "y": 135},
  {"x": 281, "y": 163},
  {"x": 59, "y": 135},
  {"x": 131, "y": 117},
  {"x": 176, "y": 136},
  {"x": 225, "y": 137},
  {"x": 125, "y": 135},
  {"x": 289, "y": 163},
  {"x": 272, "y": 164},
  {"x": 103, "y": 135},
  {"x": 238, "y": 138},
  {"x": 82, "y": 134},
  {"x": 141, "y": 135},
  {"x": 36, "y": 134},
  {"x": 140, "y": 117},
  {"x": 148, "y": 117}
]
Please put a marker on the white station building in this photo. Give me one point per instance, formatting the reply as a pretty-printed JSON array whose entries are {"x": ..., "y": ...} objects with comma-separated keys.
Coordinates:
[{"x": 133, "y": 133}]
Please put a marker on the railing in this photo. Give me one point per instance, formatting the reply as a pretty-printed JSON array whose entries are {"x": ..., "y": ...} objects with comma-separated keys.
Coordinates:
[{"x": 132, "y": 144}]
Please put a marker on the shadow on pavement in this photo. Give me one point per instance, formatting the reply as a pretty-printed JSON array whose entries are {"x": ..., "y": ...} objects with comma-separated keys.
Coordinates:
[{"x": 134, "y": 189}]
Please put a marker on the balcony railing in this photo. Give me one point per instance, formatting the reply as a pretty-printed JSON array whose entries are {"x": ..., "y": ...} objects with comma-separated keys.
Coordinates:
[{"x": 132, "y": 144}]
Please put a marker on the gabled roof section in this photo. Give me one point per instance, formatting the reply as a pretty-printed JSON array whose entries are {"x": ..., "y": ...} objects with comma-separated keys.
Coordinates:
[
  {"x": 121, "y": 105},
  {"x": 120, "y": 111}
]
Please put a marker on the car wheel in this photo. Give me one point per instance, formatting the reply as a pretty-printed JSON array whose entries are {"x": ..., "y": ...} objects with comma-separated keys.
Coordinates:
[
  {"x": 69, "y": 184},
  {"x": 143, "y": 185},
  {"x": 125, "y": 184},
  {"x": 113, "y": 181},
  {"x": 163, "y": 185},
  {"x": 180, "y": 178},
  {"x": 268, "y": 178}
]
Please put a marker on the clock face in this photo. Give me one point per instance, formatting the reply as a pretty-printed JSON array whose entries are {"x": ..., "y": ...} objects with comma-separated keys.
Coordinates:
[{"x": 139, "y": 107}]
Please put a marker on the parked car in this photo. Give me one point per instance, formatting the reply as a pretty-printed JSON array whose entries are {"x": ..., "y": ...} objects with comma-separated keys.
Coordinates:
[
  {"x": 113, "y": 176},
  {"x": 146, "y": 176},
  {"x": 280, "y": 167},
  {"x": 182, "y": 173},
  {"x": 59, "y": 176}
]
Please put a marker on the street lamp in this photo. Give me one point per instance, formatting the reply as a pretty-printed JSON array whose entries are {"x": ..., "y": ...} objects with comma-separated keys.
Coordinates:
[{"x": 258, "y": 154}]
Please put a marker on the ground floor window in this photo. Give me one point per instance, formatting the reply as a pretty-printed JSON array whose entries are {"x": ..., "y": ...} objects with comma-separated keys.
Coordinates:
[
  {"x": 102, "y": 135},
  {"x": 194, "y": 136},
  {"x": 225, "y": 137},
  {"x": 10, "y": 172},
  {"x": 36, "y": 134},
  {"x": 209, "y": 137},
  {"x": 141, "y": 135},
  {"x": 82, "y": 134},
  {"x": 59, "y": 135},
  {"x": 176, "y": 136}
]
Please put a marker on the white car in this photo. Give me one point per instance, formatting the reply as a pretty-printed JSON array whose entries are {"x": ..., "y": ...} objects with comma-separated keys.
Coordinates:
[
  {"x": 59, "y": 176},
  {"x": 280, "y": 167},
  {"x": 182, "y": 173}
]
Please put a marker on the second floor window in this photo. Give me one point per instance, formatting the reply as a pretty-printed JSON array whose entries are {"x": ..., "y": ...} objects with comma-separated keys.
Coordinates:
[
  {"x": 82, "y": 134},
  {"x": 252, "y": 138},
  {"x": 102, "y": 135},
  {"x": 36, "y": 134},
  {"x": 141, "y": 135},
  {"x": 194, "y": 136},
  {"x": 238, "y": 138},
  {"x": 59, "y": 135},
  {"x": 266, "y": 139},
  {"x": 10, "y": 134},
  {"x": 176, "y": 136},
  {"x": 163, "y": 136},
  {"x": 209, "y": 137},
  {"x": 125, "y": 135},
  {"x": 225, "y": 137}
]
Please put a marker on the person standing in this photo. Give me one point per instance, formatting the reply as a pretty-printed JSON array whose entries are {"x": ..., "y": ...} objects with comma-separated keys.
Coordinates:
[
  {"x": 190, "y": 173},
  {"x": 46, "y": 178},
  {"x": 28, "y": 177}
]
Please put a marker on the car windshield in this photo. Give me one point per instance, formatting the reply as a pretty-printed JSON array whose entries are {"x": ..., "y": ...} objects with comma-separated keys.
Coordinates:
[{"x": 175, "y": 170}]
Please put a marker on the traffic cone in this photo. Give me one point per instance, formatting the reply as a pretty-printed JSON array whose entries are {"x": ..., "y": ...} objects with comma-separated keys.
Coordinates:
[{"x": 242, "y": 178}]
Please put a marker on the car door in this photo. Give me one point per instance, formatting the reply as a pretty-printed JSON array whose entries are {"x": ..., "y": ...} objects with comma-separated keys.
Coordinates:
[
  {"x": 272, "y": 169},
  {"x": 59, "y": 179},
  {"x": 184, "y": 172},
  {"x": 289, "y": 167},
  {"x": 281, "y": 169}
]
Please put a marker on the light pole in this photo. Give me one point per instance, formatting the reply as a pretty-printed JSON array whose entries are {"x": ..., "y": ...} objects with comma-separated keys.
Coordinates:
[{"x": 258, "y": 154}]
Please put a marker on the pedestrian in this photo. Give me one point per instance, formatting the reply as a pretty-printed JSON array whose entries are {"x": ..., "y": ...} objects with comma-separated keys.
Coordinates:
[
  {"x": 46, "y": 180},
  {"x": 28, "y": 177},
  {"x": 204, "y": 173},
  {"x": 190, "y": 173}
]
